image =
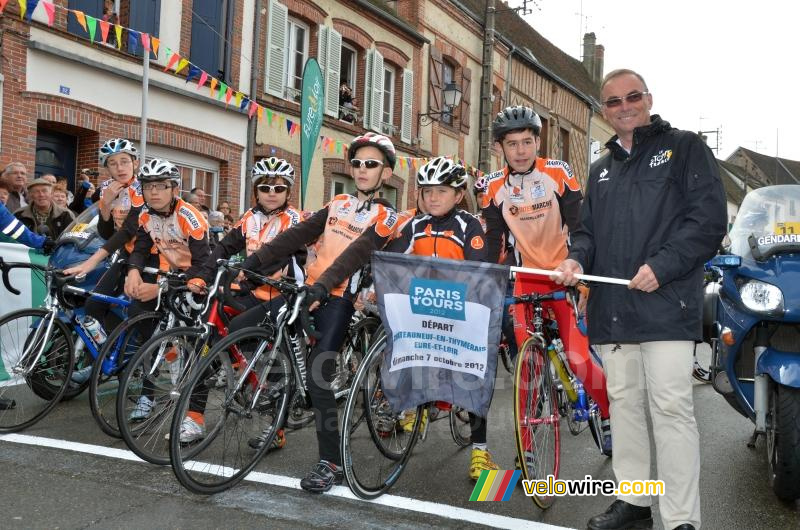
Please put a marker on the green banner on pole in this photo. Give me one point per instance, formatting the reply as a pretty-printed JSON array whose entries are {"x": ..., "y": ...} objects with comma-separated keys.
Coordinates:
[{"x": 311, "y": 112}]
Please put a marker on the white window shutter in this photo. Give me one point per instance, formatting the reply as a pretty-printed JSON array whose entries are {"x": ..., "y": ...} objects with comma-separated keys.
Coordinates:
[
  {"x": 377, "y": 92},
  {"x": 277, "y": 39},
  {"x": 333, "y": 74},
  {"x": 407, "y": 117},
  {"x": 367, "y": 107},
  {"x": 322, "y": 50}
]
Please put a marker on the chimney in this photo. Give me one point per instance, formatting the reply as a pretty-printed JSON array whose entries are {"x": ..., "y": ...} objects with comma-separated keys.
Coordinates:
[
  {"x": 599, "y": 55},
  {"x": 589, "y": 41}
]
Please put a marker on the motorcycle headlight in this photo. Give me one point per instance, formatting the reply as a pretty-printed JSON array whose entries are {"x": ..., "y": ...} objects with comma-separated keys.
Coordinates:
[{"x": 762, "y": 297}]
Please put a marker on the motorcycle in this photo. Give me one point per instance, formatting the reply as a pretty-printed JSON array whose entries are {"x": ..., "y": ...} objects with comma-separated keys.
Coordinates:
[{"x": 754, "y": 327}]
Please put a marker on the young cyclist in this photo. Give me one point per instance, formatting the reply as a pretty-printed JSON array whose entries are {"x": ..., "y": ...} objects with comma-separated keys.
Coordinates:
[
  {"x": 479, "y": 190},
  {"x": 172, "y": 235},
  {"x": 532, "y": 204},
  {"x": 445, "y": 231},
  {"x": 119, "y": 202},
  {"x": 340, "y": 222},
  {"x": 273, "y": 179}
]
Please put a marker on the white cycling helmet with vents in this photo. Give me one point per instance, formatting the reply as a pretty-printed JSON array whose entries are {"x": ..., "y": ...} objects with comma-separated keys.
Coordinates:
[
  {"x": 158, "y": 169},
  {"x": 272, "y": 167},
  {"x": 117, "y": 145},
  {"x": 441, "y": 171}
]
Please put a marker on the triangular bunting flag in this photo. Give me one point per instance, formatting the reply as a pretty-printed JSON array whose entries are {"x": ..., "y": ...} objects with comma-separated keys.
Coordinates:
[
  {"x": 228, "y": 95},
  {"x": 104, "y": 27},
  {"x": 238, "y": 99},
  {"x": 269, "y": 116},
  {"x": 2, "y": 5},
  {"x": 31, "y": 8},
  {"x": 203, "y": 79},
  {"x": 289, "y": 126},
  {"x": 244, "y": 104},
  {"x": 23, "y": 7},
  {"x": 181, "y": 65},
  {"x": 213, "y": 86},
  {"x": 171, "y": 60},
  {"x": 260, "y": 112},
  {"x": 133, "y": 41},
  {"x": 222, "y": 89},
  {"x": 49, "y": 9},
  {"x": 193, "y": 72},
  {"x": 81, "y": 18},
  {"x": 118, "y": 33},
  {"x": 91, "y": 23},
  {"x": 252, "y": 109},
  {"x": 146, "y": 42},
  {"x": 154, "y": 42}
]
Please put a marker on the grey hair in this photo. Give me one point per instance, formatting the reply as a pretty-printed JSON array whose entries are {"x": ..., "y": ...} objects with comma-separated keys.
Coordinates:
[
  {"x": 621, "y": 71},
  {"x": 14, "y": 164}
]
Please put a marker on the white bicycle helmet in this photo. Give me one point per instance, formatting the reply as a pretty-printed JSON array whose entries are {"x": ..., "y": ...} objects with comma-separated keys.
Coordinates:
[
  {"x": 442, "y": 171},
  {"x": 157, "y": 169},
  {"x": 117, "y": 145},
  {"x": 481, "y": 186},
  {"x": 272, "y": 167},
  {"x": 514, "y": 119},
  {"x": 375, "y": 140}
]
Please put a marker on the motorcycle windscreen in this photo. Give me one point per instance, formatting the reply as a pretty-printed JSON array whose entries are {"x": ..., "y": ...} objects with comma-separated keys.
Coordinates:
[{"x": 767, "y": 223}]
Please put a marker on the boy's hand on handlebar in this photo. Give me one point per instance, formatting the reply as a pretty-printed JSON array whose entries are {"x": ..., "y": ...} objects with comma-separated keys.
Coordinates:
[
  {"x": 147, "y": 292},
  {"x": 315, "y": 296},
  {"x": 80, "y": 270},
  {"x": 132, "y": 282},
  {"x": 197, "y": 285}
]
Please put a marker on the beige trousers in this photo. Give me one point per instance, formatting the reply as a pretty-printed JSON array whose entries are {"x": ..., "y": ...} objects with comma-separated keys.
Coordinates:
[{"x": 660, "y": 371}]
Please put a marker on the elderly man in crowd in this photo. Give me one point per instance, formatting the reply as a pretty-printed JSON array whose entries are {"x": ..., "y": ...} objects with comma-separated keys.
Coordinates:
[
  {"x": 42, "y": 211},
  {"x": 16, "y": 176}
]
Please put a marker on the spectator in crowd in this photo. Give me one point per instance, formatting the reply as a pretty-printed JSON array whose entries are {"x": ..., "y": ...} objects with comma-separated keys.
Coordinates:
[
  {"x": 3, "y": 192},
  {"x": 216, "y": 227},
  {"x": 347, "y": 104},
  {"x": 60, "y": 198},
  {"x": 16, "y": 176},
  {"x": 200, "y": 199},
  {"x": 42, "y": 212},
  {"x": 228, "y": 223},
  {"x": 63, "y": 183},
  {"x": 49, "y": 177},
  {"x": 225, "y": 208}
]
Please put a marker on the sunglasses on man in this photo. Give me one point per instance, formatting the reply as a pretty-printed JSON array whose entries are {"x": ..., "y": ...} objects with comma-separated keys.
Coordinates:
[
  {"x": 370, "y": 163},
  {"x": 633, "y": 97},
  {"x": 277, "y": 188}
]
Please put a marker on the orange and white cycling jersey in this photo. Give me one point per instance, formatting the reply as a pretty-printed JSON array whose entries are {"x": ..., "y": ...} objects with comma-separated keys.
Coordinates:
[
  {"x": 534, "y": 211},
  {"x": 257, "y": 228},
  {"x": 347, "y": 219},
  {"x": 172, "y": 234},
  {"x": 130, "y": 196}
]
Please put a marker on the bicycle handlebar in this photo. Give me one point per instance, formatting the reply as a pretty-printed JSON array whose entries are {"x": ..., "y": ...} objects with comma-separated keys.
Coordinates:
[{"x": 7, "y": 267}]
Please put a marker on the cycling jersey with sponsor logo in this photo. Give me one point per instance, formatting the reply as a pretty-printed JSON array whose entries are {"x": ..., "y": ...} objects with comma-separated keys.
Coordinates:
[
  {"x": 257, "y": 228},
  {"x": 457, "y": 235},
  {"x": 130, "y": 200},
  {"x": 180, "y": 239},
  {"x": 339, "y": 223},
  {"x": 535, "y": 211}
]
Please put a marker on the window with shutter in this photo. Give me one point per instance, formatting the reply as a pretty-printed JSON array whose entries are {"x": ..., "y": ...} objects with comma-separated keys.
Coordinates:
[
  {"x": 448, "y": 74},
  {"x": 296, "y": 55},
  {"x": 322, "y": 49},
  {"x": 408, "y": 113},
  {"x": 332, "y": 75},
  {"x": 435, "y": 81},
  {"x": 276, "y": 46},
  {"x": 368, "y": 89},
  {"x": 466, "y": 85},
  {"x": 387, "y": 117},
  {"x": 377, "y": 91}
]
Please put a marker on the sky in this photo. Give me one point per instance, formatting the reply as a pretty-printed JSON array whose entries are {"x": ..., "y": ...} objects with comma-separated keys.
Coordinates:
[{"x": 708, "y": 63}]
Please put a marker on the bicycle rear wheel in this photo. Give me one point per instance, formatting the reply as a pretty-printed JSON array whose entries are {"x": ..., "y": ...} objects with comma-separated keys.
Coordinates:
[
  {"x": 375, "y": 448},
  {"x": 536, "y": 417},
  {"x": 235, "y": 411},
  {"x": 460, "y": 428},
  {"x": 120, "y": 346},
  {"x": 150, "y": 386},
  {"x": 32, "y": 384}
]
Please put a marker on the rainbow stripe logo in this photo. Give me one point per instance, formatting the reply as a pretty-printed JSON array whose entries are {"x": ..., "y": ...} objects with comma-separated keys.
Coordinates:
[{"x": 495, "y": 485}]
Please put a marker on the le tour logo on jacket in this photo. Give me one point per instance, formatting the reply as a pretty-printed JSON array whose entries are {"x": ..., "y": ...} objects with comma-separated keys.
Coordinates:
[
  {"x": 603, "y": 176},
  {"x": 662, "y": 157}
]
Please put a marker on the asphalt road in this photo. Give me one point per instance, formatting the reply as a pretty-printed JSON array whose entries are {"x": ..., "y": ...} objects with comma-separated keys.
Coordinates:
[{"x": 48, "y": 483}]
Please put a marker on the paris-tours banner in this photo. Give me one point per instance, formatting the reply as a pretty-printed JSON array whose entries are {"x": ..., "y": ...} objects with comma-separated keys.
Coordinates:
[
  {"x": 442, "y": 320},
  {"x": 312, "y": 107}
]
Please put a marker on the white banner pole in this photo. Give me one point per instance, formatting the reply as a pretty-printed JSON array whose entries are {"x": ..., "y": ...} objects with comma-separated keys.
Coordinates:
[{"x": 584, "y": 277}]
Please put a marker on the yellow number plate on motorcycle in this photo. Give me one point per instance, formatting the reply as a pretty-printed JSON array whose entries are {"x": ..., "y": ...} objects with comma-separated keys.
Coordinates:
[{"x": 782, "y": 229}]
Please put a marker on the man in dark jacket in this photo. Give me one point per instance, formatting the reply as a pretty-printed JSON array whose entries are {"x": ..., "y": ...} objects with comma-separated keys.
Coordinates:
[
  {"x": 654, "y": 211},
  {"x": 42, "y": 211}
]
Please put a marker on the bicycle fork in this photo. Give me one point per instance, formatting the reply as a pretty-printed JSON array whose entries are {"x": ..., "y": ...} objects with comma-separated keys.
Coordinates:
[{"x": 40, "y": 341}]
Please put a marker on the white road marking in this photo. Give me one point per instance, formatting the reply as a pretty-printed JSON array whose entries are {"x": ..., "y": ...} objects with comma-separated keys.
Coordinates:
[{"x": 393, "y": 501}]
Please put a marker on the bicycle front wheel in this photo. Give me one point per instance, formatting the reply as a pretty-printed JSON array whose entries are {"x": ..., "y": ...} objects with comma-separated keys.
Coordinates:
[
  {"x": 150, "y": 386},
  {"x": 241, "y": 388},
  {"x": 536, "y": 417},
  {"x": 375, "y": 447},
  {"x": 120, "y": 346},
  {"x": 35, "y": 367}
]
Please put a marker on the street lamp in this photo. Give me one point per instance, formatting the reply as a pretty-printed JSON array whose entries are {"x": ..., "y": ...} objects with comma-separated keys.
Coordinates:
[{"x": 452, "y": 98}]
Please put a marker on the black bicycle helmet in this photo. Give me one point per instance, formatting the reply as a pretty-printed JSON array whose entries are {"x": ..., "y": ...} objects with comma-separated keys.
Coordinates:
[{"x": 515, "y": 119}]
